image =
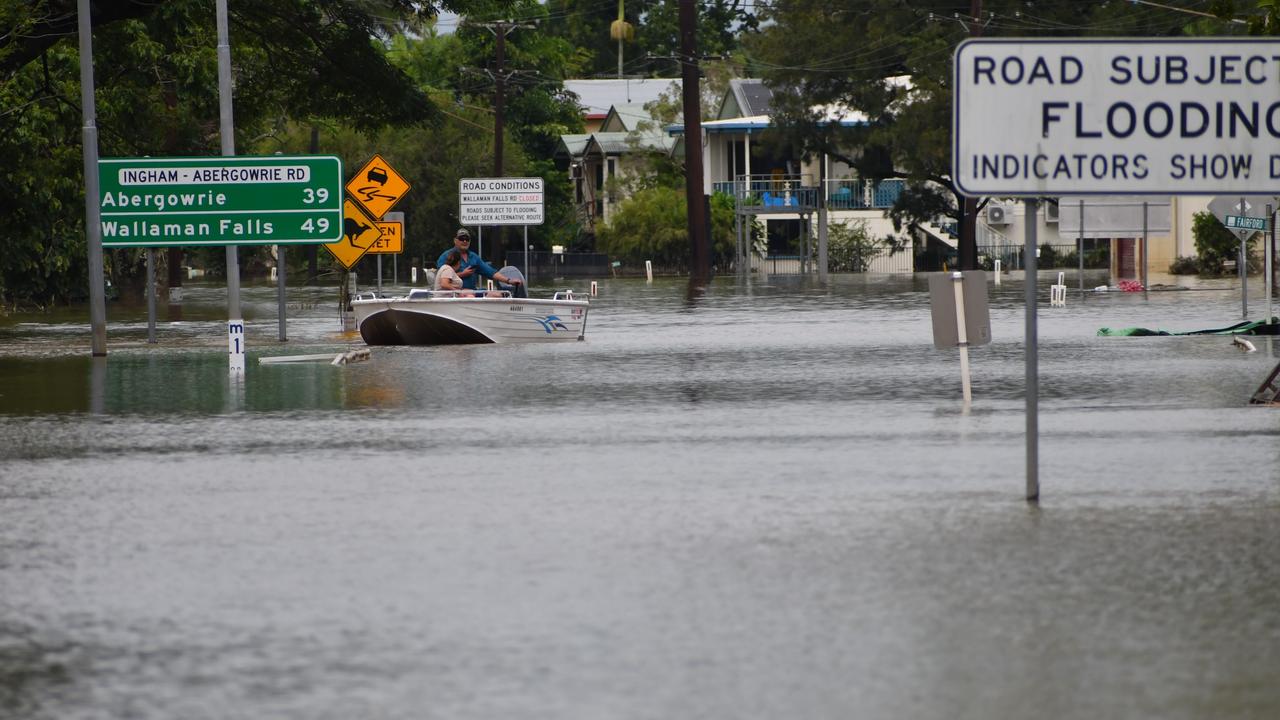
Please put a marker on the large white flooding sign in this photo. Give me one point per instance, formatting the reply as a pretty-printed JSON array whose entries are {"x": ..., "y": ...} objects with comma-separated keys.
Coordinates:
[{"x": 1063, "y": 117}]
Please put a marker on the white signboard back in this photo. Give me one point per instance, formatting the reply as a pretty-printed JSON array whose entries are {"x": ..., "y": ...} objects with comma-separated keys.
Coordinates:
[
  {"x": 1118, "y": 115},
  {"x": 501, "y": 201},
  {"x": 1113, "y": 216}
]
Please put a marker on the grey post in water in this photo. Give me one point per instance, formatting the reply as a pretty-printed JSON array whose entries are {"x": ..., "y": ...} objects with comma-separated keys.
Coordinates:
[
  {"x": 1080, "y": 250},
  {"x": 92, "y": 192},
  {"x": 227, "y": 129},
  {"x": 280, "y": 305},
  {"x": 1032, "y": 363},
  {"x": 1144, "y": 251},
  {"x": 151, "y": 295}
]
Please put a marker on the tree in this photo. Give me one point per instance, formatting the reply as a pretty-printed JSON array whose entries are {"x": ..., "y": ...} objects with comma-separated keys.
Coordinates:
[
  {"x": 851, "y": 248},
  {"x": 585, "y": 25},
  {"x": 650, "y": 225},
  {"x": 908, "y": 129},
  {"x": 156, "y": 79},
  {"x": 1215, "y": 245}
]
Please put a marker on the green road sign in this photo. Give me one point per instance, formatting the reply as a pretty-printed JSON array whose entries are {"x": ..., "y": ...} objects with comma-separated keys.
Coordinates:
[
  {"x": 240, "y": 200},
  {"x": 1244, "y": 222}
]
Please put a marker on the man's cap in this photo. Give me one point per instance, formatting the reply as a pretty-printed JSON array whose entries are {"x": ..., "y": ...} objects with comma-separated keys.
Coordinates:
[{"x": 462, "y": 233}]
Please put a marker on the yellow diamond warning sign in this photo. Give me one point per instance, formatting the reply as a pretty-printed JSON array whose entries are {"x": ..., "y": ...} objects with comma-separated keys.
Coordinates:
[
  {"x": 377, "y": 187},
  {"x": 392, "y": 240},
  {"x": 359, "y": 233}
]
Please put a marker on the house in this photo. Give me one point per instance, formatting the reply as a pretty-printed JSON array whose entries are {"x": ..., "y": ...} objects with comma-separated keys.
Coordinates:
[
  {"x": 785, "y": 194},
  {"x": 599, "y": 163}
]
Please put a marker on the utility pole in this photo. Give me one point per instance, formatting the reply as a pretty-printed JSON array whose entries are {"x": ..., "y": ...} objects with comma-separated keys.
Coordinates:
[
  {"x": 699, "y": 238},
  {"x": 968, "y": 250},
  {"x": 500, "y": 76}
]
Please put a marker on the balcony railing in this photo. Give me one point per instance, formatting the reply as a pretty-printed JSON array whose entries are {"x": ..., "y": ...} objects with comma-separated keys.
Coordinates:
[
  {"x": 800, "y": 192},
  {"x": 863, "y": 194},
  {"x": 779, "y": 193}
]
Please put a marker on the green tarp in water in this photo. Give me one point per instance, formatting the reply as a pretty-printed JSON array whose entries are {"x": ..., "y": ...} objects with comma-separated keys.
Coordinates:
[{"x": 1253, "y": 327}]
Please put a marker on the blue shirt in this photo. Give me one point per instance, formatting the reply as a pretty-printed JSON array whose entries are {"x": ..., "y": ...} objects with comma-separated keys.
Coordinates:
[{"x": 470, "y": 260}]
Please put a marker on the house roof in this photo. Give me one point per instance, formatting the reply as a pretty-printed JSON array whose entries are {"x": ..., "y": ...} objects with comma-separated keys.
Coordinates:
[
  {"x": 621, "y": 143},
  {"x": 572, "y": 145},
  {"x": 626, "y": 116},
  {"x": 746, "y": 97},
  {"x": 597, "y": 96},
  {"x": 759, "y": 123}
]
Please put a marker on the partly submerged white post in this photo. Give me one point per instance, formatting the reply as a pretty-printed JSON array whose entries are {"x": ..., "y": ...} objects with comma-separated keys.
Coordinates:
[
  {"x": 595, "y": 290},
  {"x": 235, "y": 345},
  {"x": 957, "y": 282},
  {"x": 648, "y": 270},
  {"x": 997, "y": 272}
]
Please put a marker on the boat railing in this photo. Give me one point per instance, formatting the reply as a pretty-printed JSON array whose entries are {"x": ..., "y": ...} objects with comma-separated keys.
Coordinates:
[{"x": 465, "y": 294}]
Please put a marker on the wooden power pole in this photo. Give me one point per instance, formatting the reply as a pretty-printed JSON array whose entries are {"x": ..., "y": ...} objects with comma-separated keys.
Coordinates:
[{"x": 699, "y": 237}]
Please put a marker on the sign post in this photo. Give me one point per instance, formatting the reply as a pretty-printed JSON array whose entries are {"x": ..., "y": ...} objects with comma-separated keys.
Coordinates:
[
  {"x": 1189, "y": 116},
  {"x": 961, "y": 318}
]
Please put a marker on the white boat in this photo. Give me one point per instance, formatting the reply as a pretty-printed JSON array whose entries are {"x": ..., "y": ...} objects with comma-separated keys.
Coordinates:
[{"x": 446, "y": 317}]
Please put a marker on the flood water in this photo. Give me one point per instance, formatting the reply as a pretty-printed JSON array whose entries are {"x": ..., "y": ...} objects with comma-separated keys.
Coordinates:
[{"x": 766, "y": 502}]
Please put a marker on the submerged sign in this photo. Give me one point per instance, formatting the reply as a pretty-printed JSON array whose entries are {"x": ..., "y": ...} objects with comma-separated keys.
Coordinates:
[
  {"x": 1064, "y": 117},
  {"x": 237, "y": 200}
]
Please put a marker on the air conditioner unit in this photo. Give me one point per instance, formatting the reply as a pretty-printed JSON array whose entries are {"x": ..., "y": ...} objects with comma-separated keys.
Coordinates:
[
  {"x": 998, "y": 215},
  {"x": 1051, "y": 212}
]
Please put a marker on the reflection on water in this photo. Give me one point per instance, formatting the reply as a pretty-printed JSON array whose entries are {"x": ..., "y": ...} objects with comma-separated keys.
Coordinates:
[{"x": 764, "y": 501}]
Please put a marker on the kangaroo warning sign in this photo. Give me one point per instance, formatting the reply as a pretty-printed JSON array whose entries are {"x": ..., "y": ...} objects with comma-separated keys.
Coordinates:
[
  {"x": 377, "y": 187},
  {"x": 359, "y": 233},
  {"x": 500, "y": 201},
  {"x": 1117, "y": 116}
]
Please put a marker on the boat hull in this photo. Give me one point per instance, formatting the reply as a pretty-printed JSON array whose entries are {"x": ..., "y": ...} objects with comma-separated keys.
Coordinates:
[{"x": 462, "y": 321}]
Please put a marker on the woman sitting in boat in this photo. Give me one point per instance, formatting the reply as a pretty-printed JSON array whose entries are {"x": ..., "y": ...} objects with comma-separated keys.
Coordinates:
[
  {"x": 471, "y": 266},
  {"x": 447, "y": 276}
]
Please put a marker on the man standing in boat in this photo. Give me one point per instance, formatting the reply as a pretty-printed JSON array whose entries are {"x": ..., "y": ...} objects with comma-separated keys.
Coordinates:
[{"x": 472, "y": 266}]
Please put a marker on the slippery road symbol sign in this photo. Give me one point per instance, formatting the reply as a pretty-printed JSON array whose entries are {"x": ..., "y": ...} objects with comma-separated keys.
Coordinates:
[{"x": 377, "y": 187}]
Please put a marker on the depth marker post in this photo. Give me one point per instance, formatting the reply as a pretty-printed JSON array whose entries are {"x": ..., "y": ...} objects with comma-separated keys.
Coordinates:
[{"x": 957, "y": 282}]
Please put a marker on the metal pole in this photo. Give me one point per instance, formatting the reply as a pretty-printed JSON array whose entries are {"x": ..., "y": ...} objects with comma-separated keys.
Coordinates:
[
  {"x": 1080, "y": 250},
  {"x": 1270, "y": 256},
  {"x": 526, "y": 253},
  {"x": 1243, "y": 264},
  {"x": 379, "y": 274},
  {"x": 226, "y": 128},
  {"x": 1144, "y": 251},
  {"x": 280, "y": 305},
  {"x": 92, "y": 186},
  {"x": 151, "y": 295},
  {"x": 1033, "y": 361}
]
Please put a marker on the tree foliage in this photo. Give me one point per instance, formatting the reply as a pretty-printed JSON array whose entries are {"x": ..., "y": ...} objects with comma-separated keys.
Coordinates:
[
  {"x": 654, "y": 51},
  {"x": 852, "y": 248},
  {"x": 308, "y": 61},
  {"x": 908, "y": 129},
  {"x": 1216, "y": 245},
  {"x": 652, "y": 225}
]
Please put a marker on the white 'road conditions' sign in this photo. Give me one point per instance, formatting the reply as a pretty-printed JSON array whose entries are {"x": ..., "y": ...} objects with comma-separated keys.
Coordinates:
[
  {"x": 500, "y": 201},
  {"x": 1064, "y": 117}
]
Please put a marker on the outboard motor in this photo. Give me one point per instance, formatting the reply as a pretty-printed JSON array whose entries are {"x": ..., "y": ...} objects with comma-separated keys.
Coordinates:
[{"x": 517, "y": 291}]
